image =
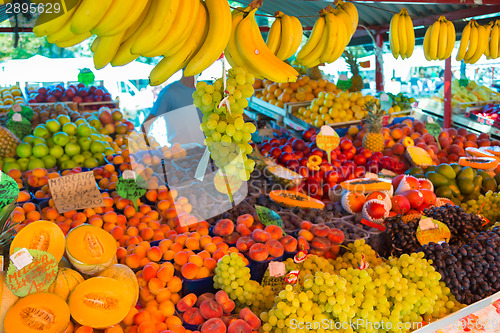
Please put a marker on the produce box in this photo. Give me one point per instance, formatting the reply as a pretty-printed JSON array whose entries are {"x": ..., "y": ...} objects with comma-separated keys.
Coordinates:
[
  {"x": 71, "y": 105},
  {"x": 97, "y": 105},
  {"x": 480, "y": 119}
]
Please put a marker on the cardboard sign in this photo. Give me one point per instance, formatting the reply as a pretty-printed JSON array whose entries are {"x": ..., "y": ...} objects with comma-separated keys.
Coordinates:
[
  {"x": 436, "y": 233},
  {"x": 35, "y": 277},
  {"x": 73, "y": 192},
  {"x": 268, "y": 216},
  {"x": 277, "y": 283},
  {"x": 327, "y": 140},
  {"x": 9, "y": 190}
]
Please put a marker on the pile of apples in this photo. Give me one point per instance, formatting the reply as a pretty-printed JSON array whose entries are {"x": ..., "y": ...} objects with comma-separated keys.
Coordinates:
[{"x": 76, "y": 94}]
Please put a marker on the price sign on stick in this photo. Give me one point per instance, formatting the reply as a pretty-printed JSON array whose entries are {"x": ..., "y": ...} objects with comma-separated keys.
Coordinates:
[
  {"x": 131, "y": 186},
  {"x": 9, "y": 190},
  {"x": 327, "y": 140},
  {"x": 269, "y": 217},
  {"x": 73, "y": 192}
]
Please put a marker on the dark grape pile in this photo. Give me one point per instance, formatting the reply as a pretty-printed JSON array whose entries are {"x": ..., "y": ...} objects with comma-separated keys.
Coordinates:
[
  {"x": 471, "y": 271},
  {"x": 403, "y": 236}
]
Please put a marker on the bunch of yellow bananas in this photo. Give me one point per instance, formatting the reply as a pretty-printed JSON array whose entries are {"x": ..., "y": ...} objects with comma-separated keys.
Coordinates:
[
  {"x": 439, "y": 40},
  {"x": 285, "y": 36},
  {"x": 246, "y": 48},
  {"x": 402, "y": 35},
  {"x": 474, "y": 41},
  {"x": 492, "y": 50},
  {"x": 331, "y": 33}
]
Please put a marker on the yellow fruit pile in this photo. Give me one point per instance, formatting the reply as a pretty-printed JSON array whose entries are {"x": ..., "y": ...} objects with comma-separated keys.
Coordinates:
[
  {"x": 11, "y": 95},
  {"x": 304, "y": 90},
  {"x": 330, "y": 108}
]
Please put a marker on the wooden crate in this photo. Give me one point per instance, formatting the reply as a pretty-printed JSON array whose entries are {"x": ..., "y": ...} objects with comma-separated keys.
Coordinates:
[
  {"x": 70, "y": 105},
  {"x": 89, "y": 106}
]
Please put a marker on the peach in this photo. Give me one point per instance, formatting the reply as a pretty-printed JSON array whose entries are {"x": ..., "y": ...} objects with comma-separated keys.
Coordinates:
[
  {"x": 186, "y": 302},
  {"x": 239, "y": 326},
  {"x": 244, "y": 243},
  {"x": 289, "y": 243},
  {"x": 246, "y": 220},
  {"x": 320, "y": 230},
  {"x": 210, "y": 309},
  {"x": 306, "y": 234},
  {"x": 229, "y": 319},
  {"x": 221, "y": 297},
  {"x": 336, "y": 236},
  {"x": 243, "y": 230},
  {"x": 260, "y": 235},
  {"x": 228, "y": 306},
  {"x": 214, "y": 325},
  {"x": 193, "y": 316},
  {"x": 205, "y": 297},
  {"x": 321, "y": 243},
  {"x": 303, "y": 244},
  {"x": 232, "y": 238},
  {"x": 223, "y": 227},
  {"x": 247, "y": 315},
  {"x": 258, "y": 252},
  {"x": 398, "y": 149},
  {"x": 306, "y": 225},
  {"x": 274, "y": 248},
  {"x": 274, "y": 231}
]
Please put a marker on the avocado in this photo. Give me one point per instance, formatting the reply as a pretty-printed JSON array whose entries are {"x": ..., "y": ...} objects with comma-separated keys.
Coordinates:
[
  {"x": 456, "y": 201},
  {"x": 454, "y": 188},
  {"x": 436, "y": 178},
  {"x": 414, "y": 171},
  {"x": 478, "y": 181},
  {"x": 457, "y": 167},
  {"x": 483, "y": 174},
  {"x": 465, "y": 185},
  {"x": 447, "y": 171},
  {"x": 489, "y": 184},
  {"x": 430, "y": 168},
  {"x": 466, "y": 172},
  {"x": 443, "y": 192},
  {"x": 497, "y": 178}
]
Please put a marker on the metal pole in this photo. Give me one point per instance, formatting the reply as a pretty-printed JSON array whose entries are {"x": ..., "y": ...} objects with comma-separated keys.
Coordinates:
[
  {"x": 379, "y": 74},
  {"x": 447, "y": 93}
]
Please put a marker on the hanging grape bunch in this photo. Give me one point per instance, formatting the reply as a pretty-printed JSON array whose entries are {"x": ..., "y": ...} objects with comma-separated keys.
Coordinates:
[{"x": 227, "y": 134}]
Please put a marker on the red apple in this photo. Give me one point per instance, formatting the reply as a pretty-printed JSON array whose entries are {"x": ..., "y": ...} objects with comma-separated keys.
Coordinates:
[{"x": 400, "y": 204}]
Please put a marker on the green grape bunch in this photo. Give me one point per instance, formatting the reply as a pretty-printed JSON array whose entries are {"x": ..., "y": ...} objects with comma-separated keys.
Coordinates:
[{"x": 227, "y": 135}]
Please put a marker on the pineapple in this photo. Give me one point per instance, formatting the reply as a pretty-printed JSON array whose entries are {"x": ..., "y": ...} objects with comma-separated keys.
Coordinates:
[
  {"x": 356, "y": 79},
  {"x": 374, "y": 139},
  {"x": 8, "y": 143}
]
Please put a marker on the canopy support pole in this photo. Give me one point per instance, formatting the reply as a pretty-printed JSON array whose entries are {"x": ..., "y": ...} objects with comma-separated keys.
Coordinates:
[
  {"x": 379, "y": 75},
  {"x": 447, "y": 93}
]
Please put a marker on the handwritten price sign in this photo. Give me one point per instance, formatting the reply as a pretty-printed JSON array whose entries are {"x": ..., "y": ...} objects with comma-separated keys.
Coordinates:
[{"x": 73, "y": 192}]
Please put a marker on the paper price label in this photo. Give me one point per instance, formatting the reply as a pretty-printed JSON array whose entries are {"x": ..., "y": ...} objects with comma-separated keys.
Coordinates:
[
  {"x": 17, "y": 117},
  {"x": 129, "y": 174},
  {"x": 21, "y": 258},
  {"x": 16, "y": 108},
  {"x": 432, "y": 231},
  {"x": 277, "y": 268}
]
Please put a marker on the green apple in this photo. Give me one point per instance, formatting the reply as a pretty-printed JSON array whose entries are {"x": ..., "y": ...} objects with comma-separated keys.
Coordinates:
[
  {"x": 100, "y": 158},
  {"x": 84, "y": 143},
  {"x": 83, "y": 130},
  {"x": 63, "y": 158},
  {"x": 61, "y": 139},
  {"x": 28, "y": 138},
  {"x": 71, "y": 149},
  {"x": 40, "y": 150},
  {"x": 37, "y": 141},
  {"x": 97, "y": 147},
  {"x": 109, "y": 151},
  {"x": 35, "y": 163},
  {"x": 53, "y": 125},
  {"x": 69, "y": 128},
  {"x": 10, "y": 166},
  {"x": 78, "y": 159},
  {"x": 23, "y": 163},
  {"x": 95, "y": 137},
  {"x": 69, "y": 164},
  {"x": 80, "y": 121},
  {"x": 63, "y": 119},
  {"x": 9, "y": 159},
  {"x": 90, "y": 163},
  {"x": 41, "y": 131},
  {"x": 94, "y": 122},
  {"x": 24, "y": 150},
  {"x": 49, "y": 161},
  {"x": 87, "y": 154},
  {"x": 56, "y": 151},
  {"x": 50, "y": 142}
]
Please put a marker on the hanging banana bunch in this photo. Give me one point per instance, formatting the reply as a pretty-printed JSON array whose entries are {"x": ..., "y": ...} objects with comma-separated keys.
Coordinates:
[
  {"x": 331, "y": 33},
  {"x": 475, "y": 39},
  {"x": 401, "y": 35},
  {"x": 492, "y": 50},
  {"x": 246, "y": 48},
  {"x": 439, "y": 40},
  {"x": 285, "y": 36}
]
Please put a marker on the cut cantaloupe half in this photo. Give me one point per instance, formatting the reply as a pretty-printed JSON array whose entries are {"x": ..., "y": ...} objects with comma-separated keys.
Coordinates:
[
  {"x": 35, "y": 313},
  {"x": 100, "y": 302},
  {"x": 124, "y": 274},
  {"x": 40, "y": 235},
  {"x": 90, "y": 249},
  {"x": 295, "y": 199},
  {"x": 8, "y": 299}
]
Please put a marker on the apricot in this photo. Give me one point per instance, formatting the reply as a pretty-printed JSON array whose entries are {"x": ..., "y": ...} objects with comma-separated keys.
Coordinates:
[
  {"x": 252, "y": 320},
  {"x": 302, "y": 244},
  {"x": 320, "y": 230},
  {"x": 193, "y": 316},
  {"x": 239, "y": 326},
  {"x": 306, "y": 234},
  {"x": 260, "y": 235},
  {"x": 186, "y": 302},
  {"x": 274, "y": 248},
  {"x": 244, "y": 243},
  {"x": 258, "y": 252},
  {"x": 223, "y": 227},
  {"x": 210, "y": 309},
  {"x": 213, "y": 325},
  {"x": 289, "y": 243}
]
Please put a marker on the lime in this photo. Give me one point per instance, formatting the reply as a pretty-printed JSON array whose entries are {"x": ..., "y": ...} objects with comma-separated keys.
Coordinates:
[
  {"x": 36, "y": 163},
  {"x": 56, "y": 151},
  {"x": 63, "y": 119},
  {"x": 40, "y": 150},
  {"x": 78, "y": 159},
  {"x": 61, "y": 139},
  {"x": 41, "y": 132},
  {"x": 10, "y": 166},
  {"x": 24, "y": 150},
  {"x": 49, "y": 161},
  {"x": 90, "y": 163},
  {"x": 53, "y": 125},
  {"x": 23, "y": 162},
  {"x": 69, "y": 128},
  {"x": 71, "y": 149},
  {"x": 84, "y": 143},
  {"x": 83, "y": 130}
]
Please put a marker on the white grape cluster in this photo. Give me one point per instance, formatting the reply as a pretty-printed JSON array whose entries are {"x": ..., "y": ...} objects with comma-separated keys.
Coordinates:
[
  {"x": 227, "y": 134},
  {"x": 487, "y": 205},
  {"x": 400, "y": 290},
  {"x": 233, "y": 277}
]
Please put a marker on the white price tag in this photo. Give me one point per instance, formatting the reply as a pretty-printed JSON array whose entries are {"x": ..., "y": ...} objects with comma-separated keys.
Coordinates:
[
  {"x": 16, "y": 108},
  {"x": 384, "y": 98},
  {"x": 129, "y": 174},
  {"x": 277, "y": 268},
  {"x": 21, "y": 258},
  {"x": 17, "y": 117},
  {"x": 427, "y": 224}
]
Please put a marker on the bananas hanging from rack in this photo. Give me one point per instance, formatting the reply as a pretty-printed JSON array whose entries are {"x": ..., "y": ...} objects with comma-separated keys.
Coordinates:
[
  {"x": 247, "y": 48},
  {"x": 475, "y": 39},
  {"x": 492, "y": 50},
  {"x": 402, "y": 35},
  {"x": 439, "y": 40},
  {"x": 331, "y": 33},
  {"x": 285, "y": 36}
]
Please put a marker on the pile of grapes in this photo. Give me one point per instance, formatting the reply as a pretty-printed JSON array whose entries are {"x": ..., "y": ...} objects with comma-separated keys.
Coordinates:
[
  {"x": 227, "y": 134},
  {"x": 487, "y": 205},
  {"x": 233, "y": 277},
  {"x": 404, "y": 289},
  {"x": 469, "y": 263}
]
